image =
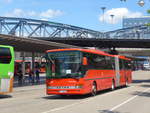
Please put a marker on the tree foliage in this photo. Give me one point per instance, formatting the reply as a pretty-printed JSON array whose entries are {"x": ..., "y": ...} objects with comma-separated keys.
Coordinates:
[{"x": 148, "y": 11}]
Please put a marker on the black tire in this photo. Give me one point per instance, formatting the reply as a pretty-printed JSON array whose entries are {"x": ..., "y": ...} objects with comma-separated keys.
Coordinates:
[{"x": 94, "y": 89}]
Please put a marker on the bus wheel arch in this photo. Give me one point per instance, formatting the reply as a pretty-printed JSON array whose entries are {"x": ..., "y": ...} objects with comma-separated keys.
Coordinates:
[{"x": 94, "y": 88}]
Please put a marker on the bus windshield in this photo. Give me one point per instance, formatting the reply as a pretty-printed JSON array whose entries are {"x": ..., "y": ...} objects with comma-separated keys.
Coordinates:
[
  {"x": 5, "y": 55},
  {"x": 65, "y": 64}
]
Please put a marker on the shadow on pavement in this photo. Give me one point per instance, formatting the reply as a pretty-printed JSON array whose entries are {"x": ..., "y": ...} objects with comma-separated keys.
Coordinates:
[
  {"x": 69, "y": 97},
  {"x": 145, "y": 85},
  {"x": 5, "y": 96},
  {"x": 140, "y": 81},
  {"x": 139, "y": 93},
  {"x": 108, "y": 111},
  {"x": 109, "y": 90}
]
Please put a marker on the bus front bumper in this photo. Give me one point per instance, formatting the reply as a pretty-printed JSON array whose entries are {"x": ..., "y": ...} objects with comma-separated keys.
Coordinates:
[
  {"x": 65, "y": 91},
  {"x": 6, "y": 85}
]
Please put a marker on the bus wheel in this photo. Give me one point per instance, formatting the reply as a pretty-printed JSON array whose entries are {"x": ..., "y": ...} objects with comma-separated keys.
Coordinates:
[
  {"x": 113, "y": 85},
  {"x": 94, "y": 89}
]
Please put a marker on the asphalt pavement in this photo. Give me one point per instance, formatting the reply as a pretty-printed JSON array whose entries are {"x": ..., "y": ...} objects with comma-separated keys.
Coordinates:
[{"x": 33, "y": 99}]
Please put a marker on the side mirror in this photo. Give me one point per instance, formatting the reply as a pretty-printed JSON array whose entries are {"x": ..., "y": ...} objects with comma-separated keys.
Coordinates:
[
  {"x": 85, "y": 62},
  {"x": 44, "y": 56}
]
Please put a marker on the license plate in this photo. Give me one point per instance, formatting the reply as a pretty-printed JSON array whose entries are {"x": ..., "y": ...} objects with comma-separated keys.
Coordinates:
[{"x": 63, "y": 91}]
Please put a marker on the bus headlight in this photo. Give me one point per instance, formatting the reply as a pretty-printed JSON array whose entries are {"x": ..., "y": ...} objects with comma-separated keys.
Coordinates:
[
  {"x": 10, "y": 74},
  {"x": 78, "y": 87},
  {"x": 75, "y": 87}
]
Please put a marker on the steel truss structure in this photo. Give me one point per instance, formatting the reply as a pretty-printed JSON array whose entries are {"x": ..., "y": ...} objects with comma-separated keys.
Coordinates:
[
  {"x": 41, "y": 29},
  {"x": 136, "y": 32}
]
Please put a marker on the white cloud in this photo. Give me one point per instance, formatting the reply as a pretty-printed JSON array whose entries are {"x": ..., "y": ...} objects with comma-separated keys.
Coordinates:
[
  {"x": 31, "y": 13},
  {"x": 45, "y": 19},
  {"x": 45, "y": 14},
  {"x": 118, "y": 13},
  {"x": 51, "y": 13},
  {"x": 16, "y": 13}
]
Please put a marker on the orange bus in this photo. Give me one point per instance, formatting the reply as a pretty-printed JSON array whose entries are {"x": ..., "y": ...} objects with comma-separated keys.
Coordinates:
[{"x": 81, "y": 71}]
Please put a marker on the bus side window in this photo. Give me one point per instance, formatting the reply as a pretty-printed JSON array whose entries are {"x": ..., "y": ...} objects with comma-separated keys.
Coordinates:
[
  {"x": 128, "y": 65},
  {"x": 121, "y": 64},
  {"x": 109, "y": 64},
  {"x": 98, "y": 61},
  {"x": 113, "y": 62}
]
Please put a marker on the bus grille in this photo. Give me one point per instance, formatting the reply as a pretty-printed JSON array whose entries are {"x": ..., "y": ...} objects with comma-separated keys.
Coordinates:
[{"x": 64, "y": 87}]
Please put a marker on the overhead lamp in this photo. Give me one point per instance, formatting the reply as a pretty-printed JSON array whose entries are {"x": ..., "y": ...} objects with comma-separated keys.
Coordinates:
[{"x": 103, "y": 8}]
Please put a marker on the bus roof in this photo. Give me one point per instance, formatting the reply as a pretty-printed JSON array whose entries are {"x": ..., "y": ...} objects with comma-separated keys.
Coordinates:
[
  {"x": 122, "y": 57},
  {"x": 83, "y": 50},
  {"x": 89, "y": 51}
]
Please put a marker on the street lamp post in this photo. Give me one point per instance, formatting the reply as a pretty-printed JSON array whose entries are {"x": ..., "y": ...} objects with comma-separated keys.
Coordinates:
[
  {"x": 112, "y": 18},
  {"x": 103, "y": 10}
]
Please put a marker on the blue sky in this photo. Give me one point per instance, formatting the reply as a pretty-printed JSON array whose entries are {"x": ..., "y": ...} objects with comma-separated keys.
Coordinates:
[{"x": 83, "y": 13}]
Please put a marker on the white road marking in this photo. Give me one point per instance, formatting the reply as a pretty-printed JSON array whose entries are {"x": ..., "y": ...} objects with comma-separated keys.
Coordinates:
[
  {"x": 128, "y": 100},
  {"x": 60, "y": 108},
  {"x": 77, "y": 103},
  {"x": 70, "y": 105}
]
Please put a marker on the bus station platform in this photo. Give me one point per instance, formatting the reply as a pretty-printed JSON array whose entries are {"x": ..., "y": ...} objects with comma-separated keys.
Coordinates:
[{"x": 25, "y": 80}]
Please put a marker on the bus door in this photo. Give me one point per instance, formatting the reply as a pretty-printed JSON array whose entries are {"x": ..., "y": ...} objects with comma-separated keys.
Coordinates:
[
  {"x": 122, "y": 71},
  {"x": 127, "y": 71},
  {"x": 117, "y": 71}
]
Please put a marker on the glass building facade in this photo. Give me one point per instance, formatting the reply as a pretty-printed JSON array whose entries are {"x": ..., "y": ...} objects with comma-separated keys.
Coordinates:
[{"x": 131, "y": 22}]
